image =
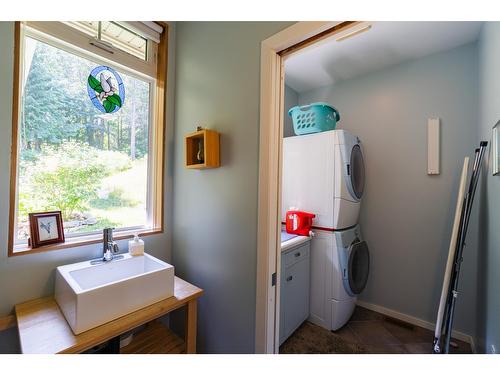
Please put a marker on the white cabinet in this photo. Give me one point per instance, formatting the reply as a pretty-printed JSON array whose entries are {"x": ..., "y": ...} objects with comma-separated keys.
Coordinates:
[{"x": 294, "y": 291}]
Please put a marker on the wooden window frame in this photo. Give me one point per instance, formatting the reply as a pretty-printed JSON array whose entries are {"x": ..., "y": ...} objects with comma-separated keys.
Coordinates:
[{"x": 157, "y": 150}]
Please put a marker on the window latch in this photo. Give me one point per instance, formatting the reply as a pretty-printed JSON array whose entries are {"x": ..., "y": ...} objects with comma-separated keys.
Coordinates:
[{"x": 108, "y": 47}]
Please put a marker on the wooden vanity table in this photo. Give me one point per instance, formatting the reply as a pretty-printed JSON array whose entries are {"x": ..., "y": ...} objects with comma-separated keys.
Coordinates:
[{"x": 44, "y": 330}]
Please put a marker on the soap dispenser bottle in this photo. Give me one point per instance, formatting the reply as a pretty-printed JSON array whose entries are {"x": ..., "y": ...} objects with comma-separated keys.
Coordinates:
[{"x": 136, "y": 246}]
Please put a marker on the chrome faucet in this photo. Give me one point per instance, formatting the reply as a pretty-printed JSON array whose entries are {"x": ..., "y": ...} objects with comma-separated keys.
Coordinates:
[{"x": 109, "y": 247}]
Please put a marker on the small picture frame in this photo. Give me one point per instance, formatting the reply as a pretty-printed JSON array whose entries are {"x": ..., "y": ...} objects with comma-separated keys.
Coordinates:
[
  {"x": 46, "y": 228},
  {"x": 495, "y": 162}
]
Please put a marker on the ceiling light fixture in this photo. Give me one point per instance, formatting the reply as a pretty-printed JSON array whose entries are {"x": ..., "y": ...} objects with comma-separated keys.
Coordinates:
[{"x": 353, "y": 33}]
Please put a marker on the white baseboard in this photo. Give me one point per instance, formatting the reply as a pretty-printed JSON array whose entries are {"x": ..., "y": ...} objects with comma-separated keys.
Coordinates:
[{"x": 415, "y": 321}]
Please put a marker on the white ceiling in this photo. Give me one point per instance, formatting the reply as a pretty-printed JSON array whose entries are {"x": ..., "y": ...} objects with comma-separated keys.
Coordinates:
[{"x": 386, "y": 43}]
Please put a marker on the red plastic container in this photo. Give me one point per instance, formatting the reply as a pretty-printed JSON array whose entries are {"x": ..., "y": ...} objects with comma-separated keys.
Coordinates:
[{"x": 299, "y": 222}]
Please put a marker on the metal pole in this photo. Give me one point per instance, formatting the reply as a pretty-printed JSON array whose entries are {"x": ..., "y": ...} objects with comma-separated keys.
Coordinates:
[
  {"x": 470, "y": 198},
  {"x": 451, "y": 296}
]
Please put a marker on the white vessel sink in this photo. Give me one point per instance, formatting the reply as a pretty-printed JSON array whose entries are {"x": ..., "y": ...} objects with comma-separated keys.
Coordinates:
[{"x": 93, "y": 294}]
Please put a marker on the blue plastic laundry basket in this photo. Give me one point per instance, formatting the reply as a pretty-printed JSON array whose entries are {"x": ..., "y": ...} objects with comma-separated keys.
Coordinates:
[{"x": 314, "y": 118}]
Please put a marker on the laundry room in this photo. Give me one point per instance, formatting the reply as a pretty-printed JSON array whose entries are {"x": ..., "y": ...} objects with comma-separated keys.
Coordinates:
[{"x": 377, "y": 121}]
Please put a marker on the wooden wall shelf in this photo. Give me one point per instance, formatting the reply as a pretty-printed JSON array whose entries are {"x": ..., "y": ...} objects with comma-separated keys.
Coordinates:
[{"x": 208, "y": 140}]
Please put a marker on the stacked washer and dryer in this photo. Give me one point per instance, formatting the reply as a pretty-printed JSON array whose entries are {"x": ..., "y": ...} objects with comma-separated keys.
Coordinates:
[{"x": 324, "y": 174}]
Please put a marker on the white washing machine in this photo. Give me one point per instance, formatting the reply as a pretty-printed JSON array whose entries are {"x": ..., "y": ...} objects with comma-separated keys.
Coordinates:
[
  {"x": 340, "y": 264},
  {"x": 324, "y": 173}
]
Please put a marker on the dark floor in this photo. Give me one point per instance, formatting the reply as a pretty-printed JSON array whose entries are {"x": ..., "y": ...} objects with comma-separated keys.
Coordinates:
[{"x": 366, "y": 332}]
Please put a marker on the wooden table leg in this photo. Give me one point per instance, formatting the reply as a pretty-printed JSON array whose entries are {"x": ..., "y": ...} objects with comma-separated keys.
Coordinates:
[{"x": 191, "y": 327}]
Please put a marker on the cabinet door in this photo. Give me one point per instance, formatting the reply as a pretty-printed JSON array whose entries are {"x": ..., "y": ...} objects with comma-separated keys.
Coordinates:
[
  {"x": 295, "y": 255},
  {"x": 295, "y": 291}
]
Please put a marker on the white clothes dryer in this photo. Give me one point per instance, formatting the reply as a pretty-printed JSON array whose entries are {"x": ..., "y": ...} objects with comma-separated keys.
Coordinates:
[{"x": 324, "y": 173}]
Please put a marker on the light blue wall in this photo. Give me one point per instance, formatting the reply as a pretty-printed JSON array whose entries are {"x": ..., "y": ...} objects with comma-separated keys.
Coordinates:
[
  {"x": 406, "y": 215},
  {"x": 489, "y": 239},
  {"x": 31, "y": 276},
  {"x": 215, "y": 211}
]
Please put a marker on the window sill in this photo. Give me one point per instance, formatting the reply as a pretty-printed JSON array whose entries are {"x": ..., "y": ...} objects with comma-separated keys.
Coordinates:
[{"x": 80, "y": 241}]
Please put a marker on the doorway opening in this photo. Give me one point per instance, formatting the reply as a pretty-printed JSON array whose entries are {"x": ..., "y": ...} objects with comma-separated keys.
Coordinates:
[{"x": 300, "y": 66}]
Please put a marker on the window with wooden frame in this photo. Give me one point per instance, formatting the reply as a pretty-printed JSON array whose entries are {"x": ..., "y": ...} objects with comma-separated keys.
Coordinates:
[{"x": 88, "y": 123}]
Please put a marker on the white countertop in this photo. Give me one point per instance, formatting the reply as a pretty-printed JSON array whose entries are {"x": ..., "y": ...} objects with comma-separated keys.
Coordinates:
[{"x": 294, "y": 242}]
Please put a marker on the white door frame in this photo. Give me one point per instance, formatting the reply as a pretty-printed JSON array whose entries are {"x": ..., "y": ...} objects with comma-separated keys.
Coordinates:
[{"x": 269, "y": 207}]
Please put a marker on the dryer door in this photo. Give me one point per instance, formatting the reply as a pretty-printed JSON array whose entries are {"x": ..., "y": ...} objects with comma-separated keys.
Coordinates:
[
  {"x": 356, "y": 172},
  {"x": 358, "y": 267}
]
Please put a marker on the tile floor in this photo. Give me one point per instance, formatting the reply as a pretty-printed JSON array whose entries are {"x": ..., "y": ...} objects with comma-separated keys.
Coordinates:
[{"x": 371, "y": 332}]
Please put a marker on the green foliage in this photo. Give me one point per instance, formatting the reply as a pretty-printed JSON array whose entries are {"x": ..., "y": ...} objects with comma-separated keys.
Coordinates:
[
  {"x": 29, "y": 155},
  {"x": 95, "y": 84},
  {"x": 69, "y": 150},
  {"x": 114, "y": 199},
  {"x": 101, "y": 224},
  {"x": 56, "y": 107},
  {"x": 66, "y": 178},
  {"x": 115, "y": 99},
  {"x": 114, "y": 161},
  {"x": 108, "y": 106},
  {"x": 29, "y": 202},
  {"x": 68, "y": 187}
]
